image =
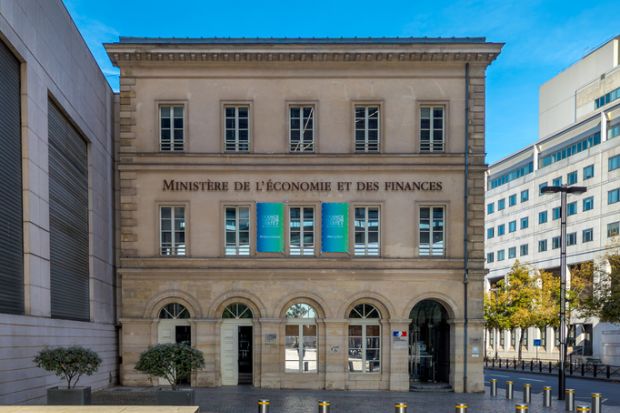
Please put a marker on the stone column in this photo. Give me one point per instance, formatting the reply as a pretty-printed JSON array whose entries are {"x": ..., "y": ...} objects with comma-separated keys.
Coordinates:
[
  {"x": 336, "y": 354},
  {"x": 398, "y": 354},
  {"x": 206, "y": 338},
  {"x": 272, "y": 345}
]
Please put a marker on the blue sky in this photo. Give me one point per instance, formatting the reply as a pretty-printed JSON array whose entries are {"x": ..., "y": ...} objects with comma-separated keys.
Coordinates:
[{"x": 542, "y": 37}]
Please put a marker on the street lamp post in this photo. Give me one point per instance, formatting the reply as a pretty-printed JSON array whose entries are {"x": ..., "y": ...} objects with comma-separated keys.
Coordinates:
[{"x": 563, "y": 190}]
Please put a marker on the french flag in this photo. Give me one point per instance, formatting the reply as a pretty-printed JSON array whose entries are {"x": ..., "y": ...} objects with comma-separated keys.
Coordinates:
[{"x": 399, "y": 333}]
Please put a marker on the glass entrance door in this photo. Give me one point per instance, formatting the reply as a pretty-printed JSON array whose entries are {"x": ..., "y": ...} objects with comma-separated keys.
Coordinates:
[
  {"x": 429, "y": 343},
  {"x": 245, "y": 355}
]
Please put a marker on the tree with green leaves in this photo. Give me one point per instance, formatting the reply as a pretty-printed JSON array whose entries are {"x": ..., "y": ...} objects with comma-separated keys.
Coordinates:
[
  {"x": 602, "y": 299},
  {"x": 68, "y": 363},
  {"x": 172, "y": 362}
]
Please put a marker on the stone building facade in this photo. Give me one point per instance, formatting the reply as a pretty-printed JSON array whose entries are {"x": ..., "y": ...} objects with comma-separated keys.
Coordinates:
[
  {"x": 56, "y": 161},
  {"x": 295, "y": 208}
]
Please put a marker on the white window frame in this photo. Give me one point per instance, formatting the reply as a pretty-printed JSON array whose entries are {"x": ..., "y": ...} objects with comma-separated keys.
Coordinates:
[
  {"x": 237, "y": 250},
  {"x": 236, "y": 144},
  {"x": 432, "y": 145},
  {"x": 171, "y": 142},
  {"x": 301, "y": 146},
  {"x": 364, "y": 322},
  {"x": 176, "y": 248},
  {"x": 303, "y": 250},
  {"x": 300, "y": 323},
  {"x": 430, "y": 251},
  {"x": 364, "y": 250},
  {"x": 366, "y": 146}
]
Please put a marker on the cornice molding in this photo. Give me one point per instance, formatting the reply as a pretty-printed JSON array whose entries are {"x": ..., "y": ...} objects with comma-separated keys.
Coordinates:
[{"x": 122, "y": 54}]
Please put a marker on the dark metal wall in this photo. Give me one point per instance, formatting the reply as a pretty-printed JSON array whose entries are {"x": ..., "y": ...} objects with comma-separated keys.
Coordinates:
[
  {"x": 11, "y": 210},
  {"x": 68, "y": 197}
]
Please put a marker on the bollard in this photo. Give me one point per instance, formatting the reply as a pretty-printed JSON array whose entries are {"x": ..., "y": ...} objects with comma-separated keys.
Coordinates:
[
  {"x": 596, "y": 402},
  {"x": 324, "y": 406},
  {"x": 570, "y": 400},
  {"x": 527, "y": 393},
  {"x": 546, "y": 396},
  {"x": 583, "y": 409},
  {"x": 400, "y": 407},
  {"x": 493, "y": 387},
  {"x": 509, "y": 390},
  {"x": 263, "y": 406},
  {"x": 460, "y": 408},
  {"x": 519, "y": 408}
]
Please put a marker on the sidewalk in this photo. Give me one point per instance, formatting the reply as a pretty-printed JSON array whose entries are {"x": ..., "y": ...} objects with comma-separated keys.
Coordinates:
[{"x": 243, "y": 399}]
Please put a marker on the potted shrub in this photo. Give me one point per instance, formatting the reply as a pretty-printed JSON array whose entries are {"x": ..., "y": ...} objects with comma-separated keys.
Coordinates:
[
  {"x": 174, "y": 363},
  {"x": 68, "y": 363}
]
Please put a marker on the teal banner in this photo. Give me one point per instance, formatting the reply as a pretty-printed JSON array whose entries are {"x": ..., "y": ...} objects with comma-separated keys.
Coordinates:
[
  {"x": 269, "y": 227},
  {"x": 335, "y": 227}
]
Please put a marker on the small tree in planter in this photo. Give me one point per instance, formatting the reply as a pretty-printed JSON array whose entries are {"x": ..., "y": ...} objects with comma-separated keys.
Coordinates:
[
  {"x": 173, "y": 363},
  {"x": 68, "y": 363}
]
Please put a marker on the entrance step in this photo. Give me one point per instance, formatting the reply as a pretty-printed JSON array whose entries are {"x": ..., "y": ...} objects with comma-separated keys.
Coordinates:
[
  {"x": 430, "y": 387},
  {"x": 245, "y": 378}
]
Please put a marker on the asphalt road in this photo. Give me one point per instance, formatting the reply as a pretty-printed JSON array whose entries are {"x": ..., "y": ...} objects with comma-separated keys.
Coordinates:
[{"x": 583, "y": 387}]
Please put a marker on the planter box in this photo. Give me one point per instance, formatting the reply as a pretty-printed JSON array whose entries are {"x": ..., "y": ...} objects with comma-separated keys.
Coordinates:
[
  {"x": 63, "y": 396},
  {"x": 181, "y": 397}
]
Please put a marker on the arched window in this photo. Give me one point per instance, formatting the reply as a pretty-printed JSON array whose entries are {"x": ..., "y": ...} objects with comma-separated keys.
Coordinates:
[
  {"x": 174, "y": 311},
  {"x": 364, "y": 339},
  {"x": 237, "y": 311},
  {"x": 301, "y": 352}
]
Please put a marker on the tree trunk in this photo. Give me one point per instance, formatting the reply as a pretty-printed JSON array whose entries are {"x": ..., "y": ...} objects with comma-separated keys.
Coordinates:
[{"x": 520, "y": 345}]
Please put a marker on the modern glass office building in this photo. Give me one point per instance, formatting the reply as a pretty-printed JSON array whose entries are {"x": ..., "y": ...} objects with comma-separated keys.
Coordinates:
[{"x": 303, "y": 210}]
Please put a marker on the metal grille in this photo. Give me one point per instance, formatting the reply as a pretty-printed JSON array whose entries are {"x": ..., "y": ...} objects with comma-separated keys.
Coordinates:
[
  {"x": 11, "y": 220},
  {"x": 68, "y": 197}
]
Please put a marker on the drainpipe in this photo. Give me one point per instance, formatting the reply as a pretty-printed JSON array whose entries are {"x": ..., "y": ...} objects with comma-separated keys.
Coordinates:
[{"x": 465, "y": 232}]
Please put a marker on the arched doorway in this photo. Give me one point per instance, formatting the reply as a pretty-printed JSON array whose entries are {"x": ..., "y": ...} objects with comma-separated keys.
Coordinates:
[
  {"x": 429, "y": 343},
  {"x": 236, "y": 345},
  {"x": 174, "y": 327}
]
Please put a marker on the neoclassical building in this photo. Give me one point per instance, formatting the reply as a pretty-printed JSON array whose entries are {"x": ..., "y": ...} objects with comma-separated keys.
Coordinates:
[{"x": 307, "y": 212}]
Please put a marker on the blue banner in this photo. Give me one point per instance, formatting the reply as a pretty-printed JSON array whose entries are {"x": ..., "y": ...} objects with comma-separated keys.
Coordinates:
[
  {"x": 269, "y": 227},
  {"x": 335, "y": 227}
]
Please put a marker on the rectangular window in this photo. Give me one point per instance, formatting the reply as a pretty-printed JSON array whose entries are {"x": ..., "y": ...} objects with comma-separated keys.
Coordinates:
[
  {"x": 501, "y": 229},
  {"x": 512, "y": 252},
  {"x": 490, "y": 257},
  {"x": 237, "y": 231},
  {"x": 588, "y": 172},
  {"x": 490, "y": 208},
  {"x": 512, "y": 200},
  {"x": 501, "y": 204},
  {"x": 171, "y": 128},
  {"x": 588, "y": 203},
  {"x": 490, "y": 232},
  {"x": 367, "y": 231},
  {"x": 510, "y": 175},
  {"x": 587, "y": 235},
  {"x": 541, "y": 187},
  {"x": 557, "y": 181},
  {"x": 513, "y": 338},
  {"x": 432, "y": 129},
  {"x": 512, "y": 226},
  {"x": 367, "y": 128},
  {"x": 237, "y": 128},
  {"x": 500, "y": 255},
  {"x": 301, "y": 128},
  {"x": 556, "y": 336},
  {"x": 491, "y": 334},
  {"x": 613, "y": 163},
  {"x": 556, "y": 213},
  {"x": 571, "y": 208},
  {"x": 571, "y": 178},
  {"x": 555, "y": 242},
  {"x": 570, "y": 150},
  {"x": 523, "y": 250},
  {"x": 432, "y": 223},
  {"x": 526, "y": 338},
  {"x": 525, "y": 222},
  {"x": 571, "y": 239},
  {"x": 542, "y": 245},
  {"x": 172, "y": 230},
  {"x": 502, "y": 338},
  {"x": 543, "y": 338},
  {"x": 613, "y": 229},
  {"x": 301, "y": 230},
  {"x": 525, "y": 195},
  {"x": 613, "y": 196},
  {"x": 542, "y": 217},
  {"x": 364, "y": 348},
  {"x": 300, "y": 348},
  {"x": 613, "y": 132}
]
